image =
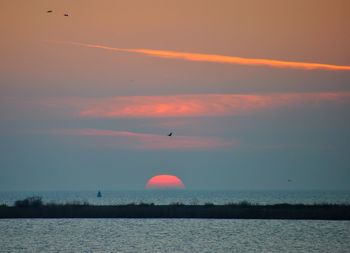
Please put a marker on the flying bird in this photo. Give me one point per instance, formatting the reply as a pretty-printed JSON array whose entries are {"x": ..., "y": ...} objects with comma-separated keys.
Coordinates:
[
  {"x": 49, "y": 11},
  {"x": 170, "y": 134},
  {"x": 66, "y": 15}
]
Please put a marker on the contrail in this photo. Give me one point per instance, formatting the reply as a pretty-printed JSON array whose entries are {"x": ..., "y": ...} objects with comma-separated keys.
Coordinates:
[{"x": 220, "y": 58}]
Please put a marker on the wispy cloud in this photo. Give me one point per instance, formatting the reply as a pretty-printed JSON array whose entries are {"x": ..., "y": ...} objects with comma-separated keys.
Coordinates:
[
  {"x": 174, "y": 107},
  {"x": 145, "y": 141},
  {"x": 198, "y": 105},
  {"x": 220, "y": 58}
]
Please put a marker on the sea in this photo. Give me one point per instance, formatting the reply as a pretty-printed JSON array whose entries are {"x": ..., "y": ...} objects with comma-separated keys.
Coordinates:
[{"x": 175, "y": 235}]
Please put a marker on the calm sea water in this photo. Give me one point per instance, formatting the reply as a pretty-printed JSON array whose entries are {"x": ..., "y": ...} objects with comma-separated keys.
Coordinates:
[
  {"x": 183, "y": 196},
  {"x": 173, "y": 235}
]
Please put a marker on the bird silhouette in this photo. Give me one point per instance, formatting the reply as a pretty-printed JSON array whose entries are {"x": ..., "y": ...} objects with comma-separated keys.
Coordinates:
[
  {"x": 49, "y": 11},
  {"x": 66, "y": 15},
  {"x": 170, "y": 134}
]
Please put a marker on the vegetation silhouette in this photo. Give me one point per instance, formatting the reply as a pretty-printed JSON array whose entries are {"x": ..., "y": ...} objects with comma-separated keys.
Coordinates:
[
  {"x": 34, "y": 201},
  {"x": 34, "y": 207}
]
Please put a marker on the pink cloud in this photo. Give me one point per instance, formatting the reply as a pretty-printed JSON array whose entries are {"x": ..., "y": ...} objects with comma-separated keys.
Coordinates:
[
  {"x": 198, "y": 105},
  {"x": 179, "y": 108},
  {"x": 125, "y": 139}
]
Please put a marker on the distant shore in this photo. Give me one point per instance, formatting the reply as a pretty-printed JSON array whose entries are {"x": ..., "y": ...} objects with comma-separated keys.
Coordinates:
[{"x": 34, "y": 208}]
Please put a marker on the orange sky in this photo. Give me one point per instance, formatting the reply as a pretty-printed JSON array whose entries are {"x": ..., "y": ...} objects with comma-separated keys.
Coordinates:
[
  {"x": 315, "y": 30},
  {"x": 250, "y": 29}
]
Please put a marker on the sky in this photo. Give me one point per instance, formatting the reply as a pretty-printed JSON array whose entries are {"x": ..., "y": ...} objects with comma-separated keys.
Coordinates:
[{"x": 256, "y": 93}]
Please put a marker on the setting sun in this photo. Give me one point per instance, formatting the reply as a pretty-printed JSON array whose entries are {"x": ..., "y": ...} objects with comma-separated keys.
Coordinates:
[{"x": 165, "y": 181}]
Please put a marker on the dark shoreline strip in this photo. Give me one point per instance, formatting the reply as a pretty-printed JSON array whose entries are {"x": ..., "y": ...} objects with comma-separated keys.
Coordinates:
[{"x": 278, "y": 211}]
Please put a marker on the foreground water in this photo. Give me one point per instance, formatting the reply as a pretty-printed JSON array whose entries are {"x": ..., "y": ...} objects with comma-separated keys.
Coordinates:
[
  {"x": 186, "y": 197},
  {"x": 173, "y": 235}
]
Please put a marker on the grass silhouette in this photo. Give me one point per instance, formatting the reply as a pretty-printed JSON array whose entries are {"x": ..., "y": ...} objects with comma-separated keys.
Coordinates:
[{"x": 34, "y": 207}]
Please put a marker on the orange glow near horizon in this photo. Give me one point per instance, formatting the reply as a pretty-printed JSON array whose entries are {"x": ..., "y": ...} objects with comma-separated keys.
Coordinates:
[
  {"x": 165, "y": 181},
  {"x": 221, "y": 58}
]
